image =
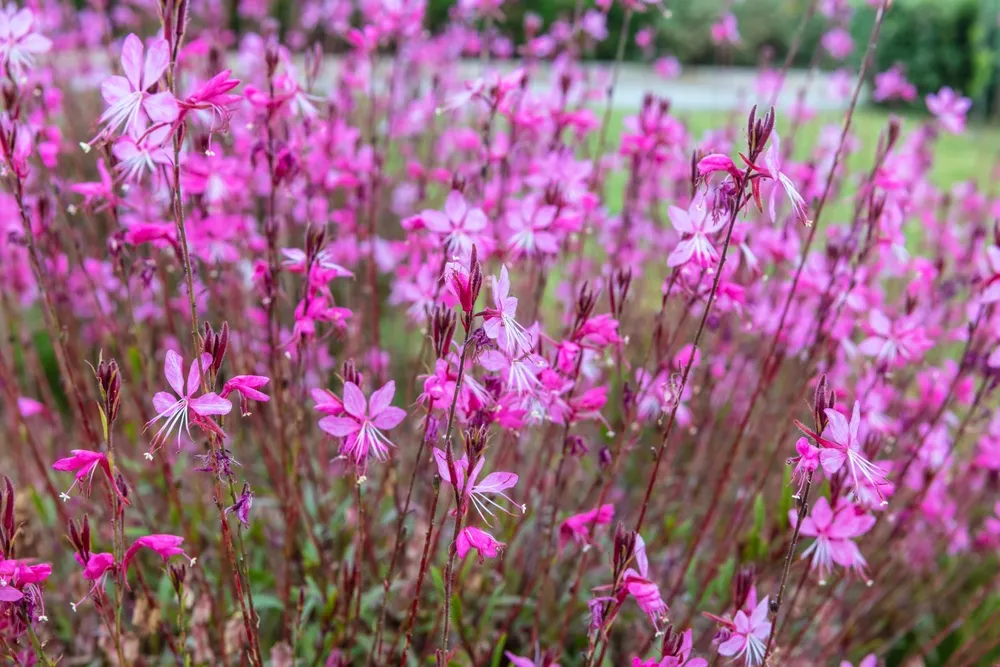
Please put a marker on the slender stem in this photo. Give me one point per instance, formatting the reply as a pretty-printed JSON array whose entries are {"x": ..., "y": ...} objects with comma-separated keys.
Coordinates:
[
  {"x": 37, "y": 646},
  {"x": 453, "y": 550},
  {"x": 776, "y": 607}
]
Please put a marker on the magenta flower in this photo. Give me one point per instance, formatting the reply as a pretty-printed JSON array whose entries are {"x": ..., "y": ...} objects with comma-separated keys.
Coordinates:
[
  {"x": 636, "y": 582},
  {"x": 950, "y": 109},
  {"x": 176, "y": 409},
  {"x": 166, "y": 546},
  {"x": 85, "y": 463},
  {"x": 834, "y": 532},
  {"x": 579, "y": 526},
  {"x": 696, "y": 224},
  {"x": 246, "y": 386},
  {"x": 214, "y": 96},
  {"x": 474, "y": 538},
  {"x": 718, "y": 162},
  {"x": 500, "y": 324},
  {"x": 476, "y": 490},
  {"x": 97, "y": 565},
  {"x": 129, "y": 95},
  {"x": 16, "y": 574},
  {"x": 363, "y": 422},
  {"x": 748, "y": 635},
  {"x": 19, "y": 44}
]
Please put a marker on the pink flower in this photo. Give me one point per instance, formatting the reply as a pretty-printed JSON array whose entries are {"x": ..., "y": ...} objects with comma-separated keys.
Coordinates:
[
  {"x": 892, "y": 340},
  {"x": 749, "y": 635},
  {"x": 500, "y": 324},
  {"x": 892, "y": 84},
  {"x": 806, "y": 462},
  {"x": 834, "y": 532},
  {"x": 680, "y": 657},
  {"x": 636, "y": 582},
  {"x": 697, "y": 223},
  {"x": 18, "y": 43},
  {"x": 247, "y": 386},
  {"x": 838, "y": 43},
  {"x": 363, "y": 422},
  {"x": 474, "y": 489},
  {"x": 128, "y": 96},
  {"x": 840, "y": 444},
  {"x": 137, "y": 156},
  {"x": 164, "y": 545},
  {"x": 867, "y": 661},
  {"x": 295, "y": 262},
  {"x": 532, "y": 234},
  {"x": 176, "y": 409},
  {"x": 726, "y": 30},
  {"x": 29, "y": 407},
  {"x": 991, "y": 275},
  {"x": 85, "y": 463},
  {"x": 667, "y": 67},
  {"x": 480, "y": 540},
  {"x": 772, "y": 169},
  {"x": 950, "y": 109},
  {"x": 579, "y": 526},
  {"x": 460, "y": 225}
]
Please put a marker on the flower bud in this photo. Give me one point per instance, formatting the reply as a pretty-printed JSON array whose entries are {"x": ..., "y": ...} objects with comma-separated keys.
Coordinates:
[
  {"x": 350, "y": 372},
  {"x": 442, "y": 330}
]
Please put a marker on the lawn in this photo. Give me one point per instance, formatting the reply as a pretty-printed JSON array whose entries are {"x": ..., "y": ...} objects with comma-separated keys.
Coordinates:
[{"x": 957, "y": 158}]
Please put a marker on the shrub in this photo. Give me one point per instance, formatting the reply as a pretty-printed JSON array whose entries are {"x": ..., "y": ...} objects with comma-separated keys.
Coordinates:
[{"x": 360, "y": 362}]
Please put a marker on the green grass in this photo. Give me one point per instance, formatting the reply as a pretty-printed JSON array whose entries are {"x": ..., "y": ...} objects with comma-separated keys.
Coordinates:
[{"x": 957, "y": 158}]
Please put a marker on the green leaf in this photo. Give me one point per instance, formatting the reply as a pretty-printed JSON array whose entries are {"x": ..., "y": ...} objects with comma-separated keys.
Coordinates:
[{"x": 498, "y": 651}]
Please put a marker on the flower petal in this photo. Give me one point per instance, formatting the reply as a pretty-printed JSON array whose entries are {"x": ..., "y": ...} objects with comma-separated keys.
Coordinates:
[
  {"x": 390, "y": 417},
  {"x": 132, "y": 60},
  {"x": 172, "y": 370},
  {"x": 157, "y": 59},
  {"x": 210, "y": 404},
  {"x": 339, "y": 427},
  {"x": 354, "y": 401},
  {"x": 381, "y": 399}
]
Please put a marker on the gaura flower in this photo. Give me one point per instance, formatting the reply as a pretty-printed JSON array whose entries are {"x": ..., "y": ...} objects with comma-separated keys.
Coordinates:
[
  {"x": 129, "y": 95},
  {"x": 177, "y": 409},
  {"x": 363, "y": 421}
]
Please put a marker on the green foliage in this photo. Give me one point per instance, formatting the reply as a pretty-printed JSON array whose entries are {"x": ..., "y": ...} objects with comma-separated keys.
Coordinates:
[
  {"x": 937, "y": 43},
  {"x": 766, "y": 26}
]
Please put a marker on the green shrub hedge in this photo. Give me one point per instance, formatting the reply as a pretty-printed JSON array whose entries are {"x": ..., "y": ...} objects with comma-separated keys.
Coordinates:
[{"x": 939, "y": 43}]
